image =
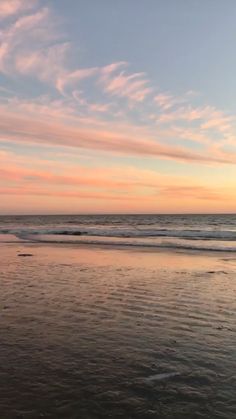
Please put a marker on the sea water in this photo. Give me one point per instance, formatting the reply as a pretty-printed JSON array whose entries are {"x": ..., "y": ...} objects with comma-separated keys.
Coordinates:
[{"x": 183, "y": 232}]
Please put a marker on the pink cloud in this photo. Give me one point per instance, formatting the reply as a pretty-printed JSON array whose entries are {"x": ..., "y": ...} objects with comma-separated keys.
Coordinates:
[
  {"x": 65, "y": 194},
  {"x": 126, "y": 184},
  {"x": 18, "y": 128},
  {"x": 218, "y": 121},
  {"x": 209, "y": 116},
  {"x": 69, "y": 79},
  {"x": 99, "y": 107},
  {"x": 43, "y": 106},
  {"x": 166, "y": 101},
  {"x": 46, "y": 63},
  {"x": 11, "y": 7},
  {"x": 111, "y": 68},
  {"x": 134, "y": 86},
  {"x": 81, "y": 179},
  {"x": 191, "y": 134},
  {"x": 196, "y": 192},
  {"x": 15, "y": 38}
]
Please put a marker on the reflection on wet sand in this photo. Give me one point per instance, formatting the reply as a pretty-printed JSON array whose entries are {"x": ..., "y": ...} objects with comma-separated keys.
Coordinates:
[{"x": 96, "y": 333}]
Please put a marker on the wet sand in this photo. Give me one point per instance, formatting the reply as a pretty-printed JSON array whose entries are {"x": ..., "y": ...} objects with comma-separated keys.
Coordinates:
[{"x": 110, "y": 333}]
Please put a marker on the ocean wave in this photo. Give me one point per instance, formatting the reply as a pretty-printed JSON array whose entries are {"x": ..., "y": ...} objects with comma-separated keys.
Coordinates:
[
  {"x": 191, "y": 234},
  {"x": 164, "y": 243}
]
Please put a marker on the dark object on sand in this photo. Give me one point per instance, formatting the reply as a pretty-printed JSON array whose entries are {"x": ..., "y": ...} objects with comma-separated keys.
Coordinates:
[
  {"x": 25, "y": 254},
  {"x": 69, "y": 233}
]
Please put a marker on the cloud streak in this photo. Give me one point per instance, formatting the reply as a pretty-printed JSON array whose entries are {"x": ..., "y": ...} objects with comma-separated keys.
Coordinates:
[
  {"x": 108, "y": 184},
  {"x": 134, "y": 86},
  {"x": 19, "y": 129}
]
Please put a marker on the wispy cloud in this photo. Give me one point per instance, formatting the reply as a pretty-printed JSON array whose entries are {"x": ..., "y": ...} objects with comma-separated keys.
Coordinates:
[
  {"x": 109, "y": 183},
  {"x": 25, "y": 35},
  {"x": 166, "y": 101},
  {"x": 202, "y": 124},
  {"x": 24, "y": 190},
  {"x": 71, "y": 79},
  {"x": 208, "y": 116},
  {"x": 47, "y": 63},
  {"x": 134, "y": 87},
  {"x": 18, "y": 128},
  {"x": 196, "y": 192},
  {"x": 12, "y": 7}
]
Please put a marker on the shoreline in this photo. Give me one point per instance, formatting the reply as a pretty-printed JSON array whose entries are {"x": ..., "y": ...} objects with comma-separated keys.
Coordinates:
[{"x": 230, "y": 254}]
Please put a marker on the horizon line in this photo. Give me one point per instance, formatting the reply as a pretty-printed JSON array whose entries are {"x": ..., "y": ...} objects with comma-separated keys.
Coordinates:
[{"x": 113, "y": 213}]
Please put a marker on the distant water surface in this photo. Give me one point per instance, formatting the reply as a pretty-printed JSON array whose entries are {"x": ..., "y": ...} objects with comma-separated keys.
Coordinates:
[{"x": 186, "y": 232}]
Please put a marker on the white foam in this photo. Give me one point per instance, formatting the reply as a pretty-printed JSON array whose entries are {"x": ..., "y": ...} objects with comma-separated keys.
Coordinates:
[
  {"x": 106, "y": 231},
  {"x": 148, "y": 242}
]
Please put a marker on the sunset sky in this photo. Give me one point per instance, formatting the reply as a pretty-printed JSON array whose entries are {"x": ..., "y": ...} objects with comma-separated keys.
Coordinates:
[{"x": 117, "y": 106}]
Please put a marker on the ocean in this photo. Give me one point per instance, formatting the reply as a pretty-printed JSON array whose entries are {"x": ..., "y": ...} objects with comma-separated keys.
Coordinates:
[{"x": 180, "y": 232}]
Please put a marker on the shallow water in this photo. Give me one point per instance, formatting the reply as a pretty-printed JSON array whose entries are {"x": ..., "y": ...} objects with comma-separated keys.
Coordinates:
[{"x": 94, "y": 333}]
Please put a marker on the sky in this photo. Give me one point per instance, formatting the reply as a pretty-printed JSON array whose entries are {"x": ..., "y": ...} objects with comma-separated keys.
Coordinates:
[{"x": 117, "y": 106}]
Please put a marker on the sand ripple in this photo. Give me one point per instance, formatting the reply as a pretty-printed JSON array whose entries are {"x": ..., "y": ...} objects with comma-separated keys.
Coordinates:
[{"x": 83, "y": 340}]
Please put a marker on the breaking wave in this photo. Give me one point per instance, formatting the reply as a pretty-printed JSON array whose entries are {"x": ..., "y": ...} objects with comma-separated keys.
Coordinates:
[
  {"x": 129, "y": 233},
  {"x": 196, "y": 232}
]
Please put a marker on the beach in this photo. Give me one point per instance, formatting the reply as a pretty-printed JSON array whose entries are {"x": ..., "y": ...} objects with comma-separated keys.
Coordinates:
[
  {"x": 98, "y": 332},
  {"x": 117, "y": 209}
]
